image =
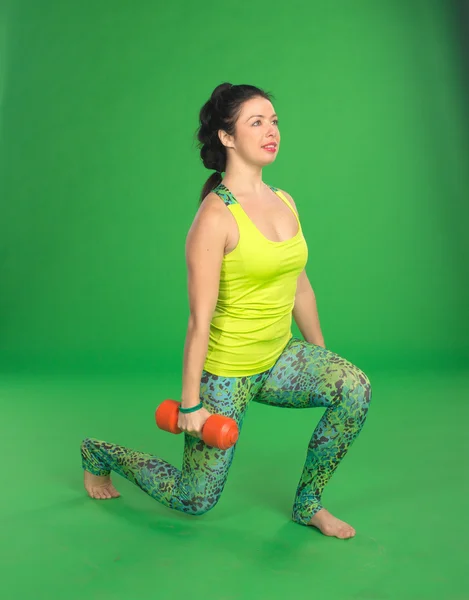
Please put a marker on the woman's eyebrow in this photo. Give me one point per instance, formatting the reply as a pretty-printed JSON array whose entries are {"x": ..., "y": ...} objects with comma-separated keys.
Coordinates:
[{"x": 274, "y": 115}]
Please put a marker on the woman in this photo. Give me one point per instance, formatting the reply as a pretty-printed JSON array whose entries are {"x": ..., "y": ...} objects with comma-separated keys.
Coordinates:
[{"x": 246, "y": 256}]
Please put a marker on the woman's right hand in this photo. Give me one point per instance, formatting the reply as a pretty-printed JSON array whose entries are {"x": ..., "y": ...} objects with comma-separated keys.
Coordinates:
[{"x": 192, "y": 423}]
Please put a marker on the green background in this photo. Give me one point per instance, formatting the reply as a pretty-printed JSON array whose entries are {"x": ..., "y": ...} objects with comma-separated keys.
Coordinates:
[
  {"x": 101, "y": 174},
  {"x": 100, "y": 179}
]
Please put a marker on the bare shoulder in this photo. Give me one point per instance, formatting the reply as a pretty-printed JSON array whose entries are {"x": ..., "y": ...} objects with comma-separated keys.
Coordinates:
[
  {"x": 290, "y": 199},
  {"x": 210, "y": 221},
  {"x": 211, "y": 210}
]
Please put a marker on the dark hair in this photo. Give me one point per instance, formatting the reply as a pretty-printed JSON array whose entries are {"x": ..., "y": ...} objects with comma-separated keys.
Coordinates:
[{"x": 221, "y": 112}]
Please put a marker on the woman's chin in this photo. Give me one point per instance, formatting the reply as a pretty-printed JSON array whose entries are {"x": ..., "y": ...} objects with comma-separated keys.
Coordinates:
[{"x": 269, "y": 160}]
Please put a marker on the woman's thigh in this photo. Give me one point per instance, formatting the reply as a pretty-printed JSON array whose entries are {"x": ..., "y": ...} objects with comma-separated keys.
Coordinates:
[
  {"x": 306, "y": 375},
  {"x": 205, "y": 468},
  {"x": 229, "y": 396}
]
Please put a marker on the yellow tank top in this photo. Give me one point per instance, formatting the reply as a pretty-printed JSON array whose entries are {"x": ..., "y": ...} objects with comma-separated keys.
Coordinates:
[{"x": 251, "y": 324}]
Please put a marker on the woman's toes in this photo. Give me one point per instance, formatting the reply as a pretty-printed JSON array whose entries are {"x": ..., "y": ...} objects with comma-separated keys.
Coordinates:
[
  {"x": 100, "y": 487},
  {"x": 102, "y": 493}
]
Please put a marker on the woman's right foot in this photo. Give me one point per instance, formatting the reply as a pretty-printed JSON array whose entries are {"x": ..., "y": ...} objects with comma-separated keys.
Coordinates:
[
  {"x": 330, "y": 525},
  {"x": 100, "y": 486}
]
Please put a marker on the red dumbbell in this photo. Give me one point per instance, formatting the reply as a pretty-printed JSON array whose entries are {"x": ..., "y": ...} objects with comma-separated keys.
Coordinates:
[{"x": 218, "y": 431}]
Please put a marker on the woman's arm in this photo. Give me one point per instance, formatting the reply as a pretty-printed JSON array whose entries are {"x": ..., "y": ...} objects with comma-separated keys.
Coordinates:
[
  {"x": 205, "y": 246},
  {"x": 305, "y": 311}
]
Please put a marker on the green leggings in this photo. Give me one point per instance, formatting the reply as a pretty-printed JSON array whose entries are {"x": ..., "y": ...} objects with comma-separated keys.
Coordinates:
[{"x": 304, "y": 376}]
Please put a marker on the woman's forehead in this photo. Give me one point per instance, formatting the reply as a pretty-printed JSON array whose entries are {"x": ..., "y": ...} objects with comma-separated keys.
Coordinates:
[{"x": 257, "y": 106}]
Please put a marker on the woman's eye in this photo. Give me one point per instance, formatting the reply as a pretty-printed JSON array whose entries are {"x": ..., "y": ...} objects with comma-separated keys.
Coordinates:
[{"x": 275, "y": 121}]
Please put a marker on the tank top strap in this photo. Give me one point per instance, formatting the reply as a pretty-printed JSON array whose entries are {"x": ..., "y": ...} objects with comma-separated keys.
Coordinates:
[
  {"x": 228, "y": 198},
  {"x": 225, "y": 194}
]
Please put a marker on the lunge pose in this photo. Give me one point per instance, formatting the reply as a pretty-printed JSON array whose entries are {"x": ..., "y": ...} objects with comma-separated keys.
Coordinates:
[{"x": 246, "y": 258}]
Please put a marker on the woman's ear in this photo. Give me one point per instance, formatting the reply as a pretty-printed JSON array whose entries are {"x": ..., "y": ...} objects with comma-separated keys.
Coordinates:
[{"x": 225, "y": 139}]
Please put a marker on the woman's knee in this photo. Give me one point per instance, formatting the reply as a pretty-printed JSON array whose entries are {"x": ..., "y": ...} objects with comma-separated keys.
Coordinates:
[
  {"x": 358, "y": 385},
  {"x": 366, "y": 386},
  {"x": 201, "y": 505},
  {"x": 364, "y": 398}
]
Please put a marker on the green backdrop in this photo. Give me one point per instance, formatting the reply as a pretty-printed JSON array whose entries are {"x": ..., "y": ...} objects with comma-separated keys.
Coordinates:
[
  {"x": 99, "y": 183},
  {"x": 100, "y": 173}
]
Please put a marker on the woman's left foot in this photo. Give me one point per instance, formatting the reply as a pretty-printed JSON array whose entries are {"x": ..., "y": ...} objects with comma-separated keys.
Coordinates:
[
  {"x": 100, "y": 486},
  {"x": 330, "y": 525}
]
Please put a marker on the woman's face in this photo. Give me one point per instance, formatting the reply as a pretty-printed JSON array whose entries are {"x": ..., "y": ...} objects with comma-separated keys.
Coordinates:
[{"x": 256, "y": 128}]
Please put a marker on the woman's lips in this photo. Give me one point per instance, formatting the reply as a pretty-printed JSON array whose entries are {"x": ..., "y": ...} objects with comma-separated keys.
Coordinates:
[{"x": 272, "y": 149}]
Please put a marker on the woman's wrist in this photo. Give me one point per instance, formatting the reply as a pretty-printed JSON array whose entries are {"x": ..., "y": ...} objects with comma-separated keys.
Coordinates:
[
  {"x": 189, "y": 402},
  {"x": 184, "y": 410}
]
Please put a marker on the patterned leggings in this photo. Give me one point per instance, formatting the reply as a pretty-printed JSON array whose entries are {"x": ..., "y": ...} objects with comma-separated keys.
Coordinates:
[{"x": 304, "y": 376}]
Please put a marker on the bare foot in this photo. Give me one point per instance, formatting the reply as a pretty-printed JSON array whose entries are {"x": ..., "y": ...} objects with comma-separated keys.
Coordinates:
[
  {"x": 100, "y": 486},
  {"x": 330, "y": 525}
]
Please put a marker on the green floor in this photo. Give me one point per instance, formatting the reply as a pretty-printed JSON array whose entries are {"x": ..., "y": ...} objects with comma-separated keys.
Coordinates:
[{"x": 403, "y": 486}]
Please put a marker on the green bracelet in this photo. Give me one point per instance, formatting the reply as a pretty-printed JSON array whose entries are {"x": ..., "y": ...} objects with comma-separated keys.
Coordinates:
[{"x": 191, "y": 409}]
